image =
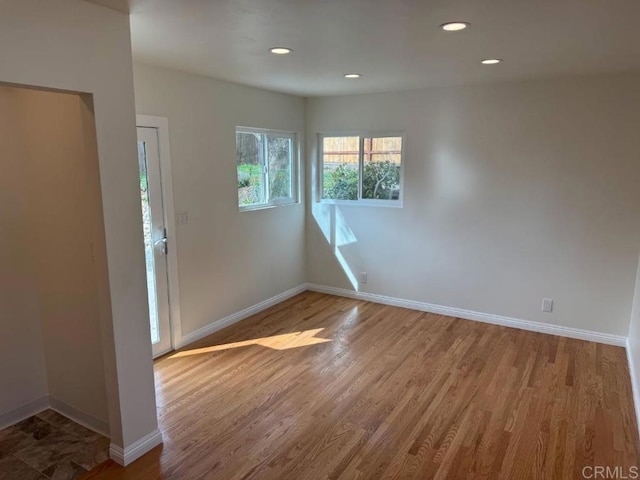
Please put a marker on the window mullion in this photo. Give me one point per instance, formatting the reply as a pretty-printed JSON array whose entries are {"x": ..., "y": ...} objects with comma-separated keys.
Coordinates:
[
  {"x": 360, "y": 168},
  {"x": 320, "y": 169},
  {"x": 292, "y": 170},
  {"x": 265, "y": 168}
]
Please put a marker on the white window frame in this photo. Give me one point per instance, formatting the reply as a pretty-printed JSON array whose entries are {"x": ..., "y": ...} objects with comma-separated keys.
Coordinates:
[
  {"x": 278, "y": 202},
  {"x": 369, "y": 202}
]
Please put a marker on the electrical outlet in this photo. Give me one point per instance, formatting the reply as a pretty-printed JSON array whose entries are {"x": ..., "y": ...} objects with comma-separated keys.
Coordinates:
[
  {"x": 182, "y": 218},
  {"x": 547, "y": 305},
  {"x": 363, "y": 277}
]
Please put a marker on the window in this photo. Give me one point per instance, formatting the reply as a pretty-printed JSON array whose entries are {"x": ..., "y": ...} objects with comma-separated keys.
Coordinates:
[
  {"x": 362, "y": 169},
  {"x": 266, "y": 168}
]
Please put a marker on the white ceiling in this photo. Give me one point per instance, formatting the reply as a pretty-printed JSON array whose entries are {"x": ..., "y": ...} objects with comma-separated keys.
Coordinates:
[{"x": 395, "y": 44}]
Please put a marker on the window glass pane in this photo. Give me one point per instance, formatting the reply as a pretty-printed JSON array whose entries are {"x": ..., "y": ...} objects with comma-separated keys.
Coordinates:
[
  {"x": 381, "y": 168},
  {"x": 249, "y": 154},
  {"x": 280, "y": 155},
  {"x": 340, "y": 170}
]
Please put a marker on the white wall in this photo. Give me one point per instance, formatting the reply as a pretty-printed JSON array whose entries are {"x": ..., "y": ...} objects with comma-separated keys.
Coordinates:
[
  {"x": 228, "y": 260},
  {"x": 74, "y": 45},
  {"x": 513, "y": 192},
  {"x": 633, "y": 343}
]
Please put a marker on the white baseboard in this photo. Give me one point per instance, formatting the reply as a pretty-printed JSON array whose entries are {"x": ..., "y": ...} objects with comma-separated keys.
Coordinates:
[
  {"x": 241, "y": 315},
  {"x": 117, "y": 453},
  {"x": 80, "y": 417},
  {"x": 125, "y": 456},
  {"x": 635, "y": 386},
  {"x": 48, "y": 402},
  {"x": 580, "y": 334},
  {"x": 23, "y": 412}
]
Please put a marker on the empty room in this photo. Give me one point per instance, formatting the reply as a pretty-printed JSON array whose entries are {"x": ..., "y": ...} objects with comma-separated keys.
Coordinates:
[{"x": 355, "y": 239}]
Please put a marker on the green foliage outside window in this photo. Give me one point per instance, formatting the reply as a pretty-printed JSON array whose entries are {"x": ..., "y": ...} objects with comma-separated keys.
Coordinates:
[
  {"x": 250, "y": 183},
  {"x": 381, "y": 181},
  {"x": 280, "y": 184},
  {"x": 341, "y": 183},
  {"x": 279, "y": 166}
]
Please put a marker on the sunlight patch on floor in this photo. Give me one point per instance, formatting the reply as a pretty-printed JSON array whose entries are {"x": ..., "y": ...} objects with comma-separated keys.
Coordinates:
[{"x": 276, "y": 342}]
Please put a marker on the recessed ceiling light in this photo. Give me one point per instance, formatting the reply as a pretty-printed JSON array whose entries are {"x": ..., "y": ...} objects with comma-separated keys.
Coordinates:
[
  {"x": 352, "y": 75},
  {"x": 280, "y": 50},
  {"x": 454, "y": 26},
  {"x": 491, "y": 61}
]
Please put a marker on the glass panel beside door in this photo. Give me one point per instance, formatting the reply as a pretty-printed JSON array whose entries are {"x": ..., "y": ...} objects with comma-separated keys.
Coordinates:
[{"x": 155, "y": 239}]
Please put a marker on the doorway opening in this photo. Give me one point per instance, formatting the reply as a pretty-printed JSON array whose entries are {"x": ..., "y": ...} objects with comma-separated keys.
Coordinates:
[{"x": 55, "y": 286}]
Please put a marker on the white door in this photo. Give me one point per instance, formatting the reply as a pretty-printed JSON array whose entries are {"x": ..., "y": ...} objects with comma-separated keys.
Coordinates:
[{"x": 155, "y": 239}]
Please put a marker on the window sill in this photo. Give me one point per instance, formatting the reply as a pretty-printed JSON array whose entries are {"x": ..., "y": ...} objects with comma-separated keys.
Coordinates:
[
  {"x": 266, "y": 206},
  {"x": 364, "y": 203}
]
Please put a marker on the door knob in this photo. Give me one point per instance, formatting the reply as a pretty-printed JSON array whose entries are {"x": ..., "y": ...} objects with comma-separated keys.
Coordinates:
[{"x": 163, "y": 242}]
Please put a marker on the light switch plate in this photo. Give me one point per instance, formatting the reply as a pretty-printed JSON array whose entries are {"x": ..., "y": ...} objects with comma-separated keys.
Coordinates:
[{"x": 182, "y": 218}]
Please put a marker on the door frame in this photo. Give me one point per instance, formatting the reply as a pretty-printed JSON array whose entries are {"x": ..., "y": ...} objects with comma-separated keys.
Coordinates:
[{"x": 161, "y": 124}]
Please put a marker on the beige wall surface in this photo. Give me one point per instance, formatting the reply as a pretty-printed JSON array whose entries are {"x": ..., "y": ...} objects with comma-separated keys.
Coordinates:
[
  {"x": 228, "y": 260},
  {"x": 513, "y": 192},
  {"x": 50, "y": 181},
  {"x": 77, "y": 46},
  {"x": 23, "y": 376},
  {"x": 64, "y": 246}
]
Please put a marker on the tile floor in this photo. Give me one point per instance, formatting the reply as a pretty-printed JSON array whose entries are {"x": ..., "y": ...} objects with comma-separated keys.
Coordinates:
[{"x": 49, "y": 446}]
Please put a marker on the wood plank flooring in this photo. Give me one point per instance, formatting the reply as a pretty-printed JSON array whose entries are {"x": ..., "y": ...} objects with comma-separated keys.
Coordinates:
[{"x": 323, "y": 387}]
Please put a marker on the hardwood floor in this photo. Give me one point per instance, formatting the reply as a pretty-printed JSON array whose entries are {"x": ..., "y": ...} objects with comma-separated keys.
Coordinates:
[{"x": 330, "y": 387}]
